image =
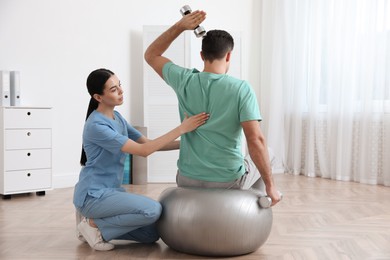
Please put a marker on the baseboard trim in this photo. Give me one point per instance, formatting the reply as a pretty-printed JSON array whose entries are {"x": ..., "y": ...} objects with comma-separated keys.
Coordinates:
[{"x": 65, "y": 180}]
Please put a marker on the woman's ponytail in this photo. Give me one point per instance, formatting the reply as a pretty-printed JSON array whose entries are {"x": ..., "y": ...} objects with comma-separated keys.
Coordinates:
[{"x": 93, "y": 105}]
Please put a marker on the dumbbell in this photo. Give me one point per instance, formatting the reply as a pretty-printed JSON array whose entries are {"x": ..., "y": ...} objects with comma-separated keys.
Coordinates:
[
  {"x": 199, "y": 30},
  {"x": 265, "y": 201}
]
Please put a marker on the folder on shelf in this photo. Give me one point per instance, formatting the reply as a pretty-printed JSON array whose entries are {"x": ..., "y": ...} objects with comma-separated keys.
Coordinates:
[
  {"x": 15, "y": 88},
  {"x": 5, "y": 83}
]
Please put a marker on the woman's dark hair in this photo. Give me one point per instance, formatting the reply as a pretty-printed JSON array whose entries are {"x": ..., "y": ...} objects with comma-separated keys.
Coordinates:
[
  {"x": 95, "y": 85},
  {"x": 216, "y": 44}
]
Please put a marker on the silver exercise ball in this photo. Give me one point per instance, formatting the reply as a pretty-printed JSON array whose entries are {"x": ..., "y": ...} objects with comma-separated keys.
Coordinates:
[{"x": 213, "y": 222}]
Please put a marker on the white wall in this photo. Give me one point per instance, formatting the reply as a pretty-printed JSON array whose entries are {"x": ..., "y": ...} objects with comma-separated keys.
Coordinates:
[{"x": 55, "y": 44}]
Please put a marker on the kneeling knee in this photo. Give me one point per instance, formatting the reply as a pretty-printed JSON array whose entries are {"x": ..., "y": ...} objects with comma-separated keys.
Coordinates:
[{"x": 154, "y": 213}]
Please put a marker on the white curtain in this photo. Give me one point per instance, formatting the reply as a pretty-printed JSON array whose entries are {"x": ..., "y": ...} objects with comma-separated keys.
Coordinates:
[{"x": 325, "y": 80}]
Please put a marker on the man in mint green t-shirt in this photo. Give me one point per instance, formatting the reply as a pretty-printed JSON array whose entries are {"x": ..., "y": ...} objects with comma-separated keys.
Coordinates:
[{"x": 212, "y": 156}]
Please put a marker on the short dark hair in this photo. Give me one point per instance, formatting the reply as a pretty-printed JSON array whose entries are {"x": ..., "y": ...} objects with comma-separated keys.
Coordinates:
[{"x": 216, "y": 44}]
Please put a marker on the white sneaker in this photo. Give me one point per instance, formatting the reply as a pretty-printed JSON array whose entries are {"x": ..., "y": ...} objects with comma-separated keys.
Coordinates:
[
  {"x": 80, "y": 236},
  {"x": 93, "y": 236}
]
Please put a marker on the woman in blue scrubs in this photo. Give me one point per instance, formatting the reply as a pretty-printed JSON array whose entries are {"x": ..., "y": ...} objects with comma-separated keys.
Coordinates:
[{"x": 108, "y": 211}]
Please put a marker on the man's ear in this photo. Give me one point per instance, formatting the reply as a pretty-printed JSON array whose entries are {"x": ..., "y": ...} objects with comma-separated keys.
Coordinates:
[
  {"x": 228, "y": 56},
  {"x": 201, "y": 55}
]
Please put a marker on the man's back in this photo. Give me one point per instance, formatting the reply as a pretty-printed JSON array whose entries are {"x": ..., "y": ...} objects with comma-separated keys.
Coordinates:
[{"x": 213, "y": 151}]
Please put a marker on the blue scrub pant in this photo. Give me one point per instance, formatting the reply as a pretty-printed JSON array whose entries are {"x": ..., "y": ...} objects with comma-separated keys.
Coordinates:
[{"x": 124, "y": 216}]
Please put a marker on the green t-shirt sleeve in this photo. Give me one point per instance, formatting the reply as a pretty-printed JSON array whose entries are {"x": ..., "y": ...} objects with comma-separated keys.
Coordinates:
[
  {"x": 172, "y": 74},
  {"x": 175, "y": 76}
]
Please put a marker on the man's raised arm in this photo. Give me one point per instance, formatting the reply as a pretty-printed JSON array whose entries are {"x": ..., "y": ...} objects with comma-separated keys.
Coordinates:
[{"x": 153, "y": 54}]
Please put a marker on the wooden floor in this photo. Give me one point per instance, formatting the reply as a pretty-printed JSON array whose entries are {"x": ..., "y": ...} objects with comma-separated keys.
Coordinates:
[{"x": 317, "y": 219}]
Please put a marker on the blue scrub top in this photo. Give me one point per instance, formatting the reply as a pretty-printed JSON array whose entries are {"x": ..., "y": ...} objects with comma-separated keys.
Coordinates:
[{"x": 103, "y": 139}]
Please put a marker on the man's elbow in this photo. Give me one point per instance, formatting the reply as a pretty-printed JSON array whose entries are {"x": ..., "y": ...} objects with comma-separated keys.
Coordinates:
[{"x": 148, "y": 57}]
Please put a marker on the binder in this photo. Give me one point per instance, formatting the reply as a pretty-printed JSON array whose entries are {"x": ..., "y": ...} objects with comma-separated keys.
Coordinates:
[
  {"x": 5, "y": 88},
  {"x": 15, "y": 88}
]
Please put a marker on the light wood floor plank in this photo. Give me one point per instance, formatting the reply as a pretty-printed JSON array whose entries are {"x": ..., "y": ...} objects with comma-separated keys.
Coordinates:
[{"x": 317, "y": 219}]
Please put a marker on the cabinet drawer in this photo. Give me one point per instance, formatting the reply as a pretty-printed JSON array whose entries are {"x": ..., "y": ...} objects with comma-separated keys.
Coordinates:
[
  {"x": 27, "y": 180},
  {"x": 27, "y": 159},
  {"x": 27, "y": 138},
  {"x": 27, "y": 118}
]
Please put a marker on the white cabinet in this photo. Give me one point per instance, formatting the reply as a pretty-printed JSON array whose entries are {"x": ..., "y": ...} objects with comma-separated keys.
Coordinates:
[{"x": 25, "y": 150}]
